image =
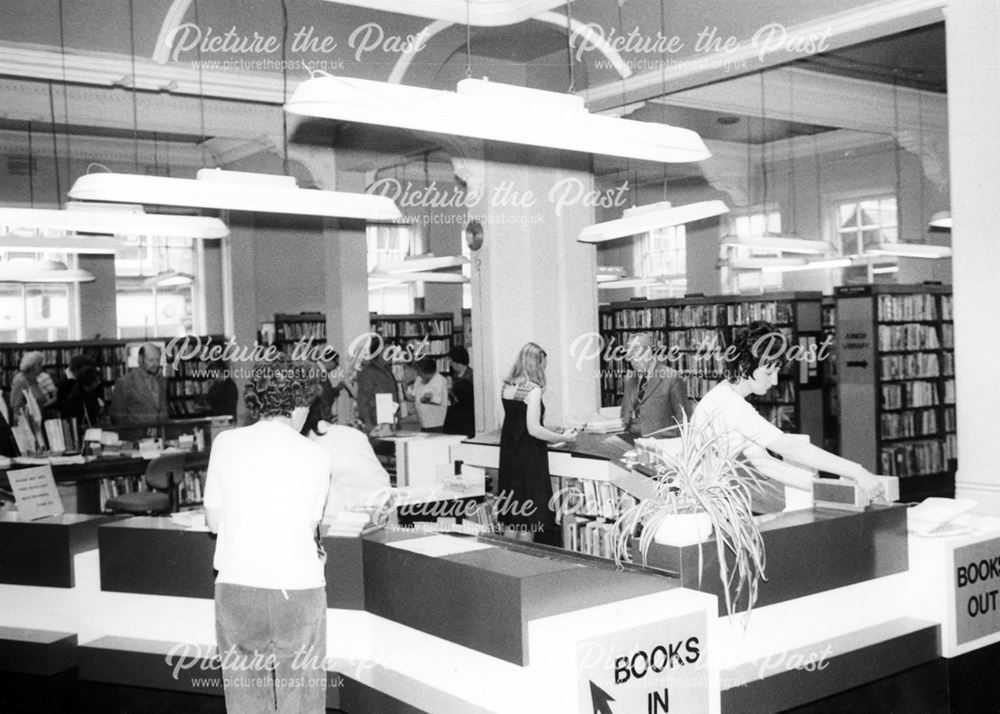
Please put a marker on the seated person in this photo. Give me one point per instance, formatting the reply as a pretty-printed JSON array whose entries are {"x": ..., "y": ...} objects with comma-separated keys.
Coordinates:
[{"x": 356, "y": 473}]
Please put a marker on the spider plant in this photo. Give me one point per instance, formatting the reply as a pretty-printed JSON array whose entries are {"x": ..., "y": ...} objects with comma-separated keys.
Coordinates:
[{"x": 700, "y": 475}]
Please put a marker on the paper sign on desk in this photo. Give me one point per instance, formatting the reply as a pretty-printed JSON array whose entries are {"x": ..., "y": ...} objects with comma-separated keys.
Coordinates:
[
  {"x": 439, "y": 545},
  {"x": 35, "y": 492},
  {"x": 385, "y": 409}
]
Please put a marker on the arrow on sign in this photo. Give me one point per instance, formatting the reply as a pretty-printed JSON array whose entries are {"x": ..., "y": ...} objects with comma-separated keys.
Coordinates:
[
  {"x": 599, "y": 698},
  {"x": 858, "y": 363}
]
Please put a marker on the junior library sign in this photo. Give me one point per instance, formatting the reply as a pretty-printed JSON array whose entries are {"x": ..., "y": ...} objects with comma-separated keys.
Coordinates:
[
  {"x": 977, "y": 584},
  {"x": 652, "y": 669}
]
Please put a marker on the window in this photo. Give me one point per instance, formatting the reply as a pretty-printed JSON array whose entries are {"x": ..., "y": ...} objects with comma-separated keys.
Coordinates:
[
  {"x": 38, "y": 312},
  {"x": 158, "y": 288},
  {"x": 864, "y": 223},
  {"x": 751, "y": 281},
  {"x": 389, "y": 244},
  {"x": 662, "y": 255}
]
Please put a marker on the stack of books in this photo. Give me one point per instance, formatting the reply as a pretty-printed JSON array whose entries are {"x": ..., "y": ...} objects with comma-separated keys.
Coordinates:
[
  {"x": 348, "y": 524},
  {"x": 607, "y": 421}
]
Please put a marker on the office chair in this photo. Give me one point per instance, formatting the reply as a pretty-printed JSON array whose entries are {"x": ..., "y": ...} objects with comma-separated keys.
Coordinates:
[{"x": 162, "y": 476}]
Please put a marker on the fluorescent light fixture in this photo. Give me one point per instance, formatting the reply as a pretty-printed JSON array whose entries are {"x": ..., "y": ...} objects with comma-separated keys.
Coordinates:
[
  {"x": 420, "y": 277},
  {"x": 480, "y": 13},
  {"x": 235, "y": 191},
  {"x": 643, "y": 219},
  {"x": 827, "y": 263},
  {"x": 775, "y": 241},
  {"x": 884, "y": 269},
  {"x": 910, "y": 250},
  {"x": 941, "y": 219},
  {"x": 105, "y": 219},
  {"x": 622, "y": 283},
  {"x": 498, "y": 112},
  {"x": 25, "y": 270},
  {"x": 168, "y": 279},
  {"x": 760, "y": 263},
  {"x": 422, "y": 263}
]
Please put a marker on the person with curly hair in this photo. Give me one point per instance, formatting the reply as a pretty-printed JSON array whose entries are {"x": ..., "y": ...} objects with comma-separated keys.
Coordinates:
[
  {"x": 264, "y": 495},
  {"x": 753, "y": 362}
]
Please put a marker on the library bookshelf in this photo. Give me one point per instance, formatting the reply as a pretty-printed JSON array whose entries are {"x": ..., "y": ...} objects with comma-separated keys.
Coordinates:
[
  {"x": 694, "y": 332},
  {"x": 896, "y": 382}
]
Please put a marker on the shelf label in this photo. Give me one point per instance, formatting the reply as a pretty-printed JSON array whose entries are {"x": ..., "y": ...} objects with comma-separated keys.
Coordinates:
[
  {"x": 977, "y": 584},
  {"x": 35, "y": 492},
  {"x": 651, "y": 669}
]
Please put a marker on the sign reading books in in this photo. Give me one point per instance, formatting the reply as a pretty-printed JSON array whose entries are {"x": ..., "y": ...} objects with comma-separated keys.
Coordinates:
[
  {"x": 35, "y": 493},
  {"x": 651, "y": 669},
  {"x": 977, "y": 584}
]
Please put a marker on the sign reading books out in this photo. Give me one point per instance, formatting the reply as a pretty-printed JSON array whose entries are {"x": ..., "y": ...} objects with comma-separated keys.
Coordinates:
[
  {"x": 651, "y": 669},
  {"x": 35, "y": 493},
  {"x": 977, "y": 584}
]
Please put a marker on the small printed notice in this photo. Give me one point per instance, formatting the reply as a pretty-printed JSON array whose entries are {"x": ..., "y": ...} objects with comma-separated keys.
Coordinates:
[{"x": 35, "y": 493}]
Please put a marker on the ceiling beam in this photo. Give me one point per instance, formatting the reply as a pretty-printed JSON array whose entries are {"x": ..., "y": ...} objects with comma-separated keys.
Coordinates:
[{"x": 753, "y": 54}]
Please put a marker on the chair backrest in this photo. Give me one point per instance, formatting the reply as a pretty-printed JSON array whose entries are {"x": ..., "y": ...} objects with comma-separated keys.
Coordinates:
[{"x": 164, "y": 471}]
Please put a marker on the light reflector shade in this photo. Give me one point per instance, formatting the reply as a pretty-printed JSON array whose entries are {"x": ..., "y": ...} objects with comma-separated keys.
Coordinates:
[
  {"x": 941, "y": 219},
  {"x": 423, "y": 264},
  {"x": 774, "y": 241},
  {"x": 482, "y": 13},
  {"x": 108, "y": 219},
  {"x": 910, "y": 250},
  {"x": 234, "y": 191},
  {"x": 643, "y": 219},
  {"x": 482, "y": 109},
  {"x": 420, "y": 277},
  {"x": 22, "y": 270}
]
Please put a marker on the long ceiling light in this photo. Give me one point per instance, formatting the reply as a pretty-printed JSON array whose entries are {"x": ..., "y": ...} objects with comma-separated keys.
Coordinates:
[
  {"x": 499, "y": 112},
  {"x": 623, "y": 283},
  {"x": 424, "y": 264},
  {"x": 482, "y": 13},
  {"x": 23, "y": 224},
  {"x": 642, "y": 219},
  {"x": 941, "y": 219},
  {"x": 910, "y": 250},
  {"x": 760, "y": 263},
  {"x": 235, "y": 191},
  {"x": 773, "y": 241},
  {"x": 827, "y": 263},
  {"x": 420, "y": 277},
  {"x": 25, "y": 270}
]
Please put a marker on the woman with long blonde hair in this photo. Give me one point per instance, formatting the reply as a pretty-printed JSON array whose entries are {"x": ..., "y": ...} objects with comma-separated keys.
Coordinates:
[{"x": 525, "y": 487}]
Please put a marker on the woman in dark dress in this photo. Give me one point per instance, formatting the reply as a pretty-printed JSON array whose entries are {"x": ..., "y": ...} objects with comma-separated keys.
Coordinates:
[{"x": 525, "y": 487}]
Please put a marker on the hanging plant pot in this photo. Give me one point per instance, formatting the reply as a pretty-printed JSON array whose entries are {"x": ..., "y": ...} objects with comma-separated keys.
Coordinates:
[{"x": 680, "y": 529}]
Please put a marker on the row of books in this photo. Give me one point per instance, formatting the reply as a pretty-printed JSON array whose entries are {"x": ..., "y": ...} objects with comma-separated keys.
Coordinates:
[
  {"x": 950, "y": 423},
  {"x": 946, "y": 308},
  {"x": 190, "y": 489},
  {"x": 295, "y": 331},
  {"x": 902, "y": 425},
  {"x": 10, "y": 358},
  {"x": 948, "y": 335},
  {"x": 909, "y": 395},
  {"x": 586, "y": 497},
  {"x": 908, "y": 337},
  {"x": 904, "y": 308},
  {"x": 119, "y": 485},
  {"x": 411, "y": 328},
  {"x": 915, "y": 458},
  {"x": 428, "y": 347},
  {"x": 911, "y": 366},
  {"x": 188, "y": 407},
  {"x": 187, "y": 387},
  {"x": 590, "y": 537}
]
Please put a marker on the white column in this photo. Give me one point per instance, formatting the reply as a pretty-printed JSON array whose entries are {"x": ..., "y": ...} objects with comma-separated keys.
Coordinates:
[
  {"x": 532, "y": 281},
  {"x": 973, "y": 27}
]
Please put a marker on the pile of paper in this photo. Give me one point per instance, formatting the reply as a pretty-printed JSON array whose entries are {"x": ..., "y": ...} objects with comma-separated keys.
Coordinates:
[{"x": 607, "y": 421}]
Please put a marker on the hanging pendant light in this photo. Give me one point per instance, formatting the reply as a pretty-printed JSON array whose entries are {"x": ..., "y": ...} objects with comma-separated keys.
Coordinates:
[{"x": 26, "y": 270}]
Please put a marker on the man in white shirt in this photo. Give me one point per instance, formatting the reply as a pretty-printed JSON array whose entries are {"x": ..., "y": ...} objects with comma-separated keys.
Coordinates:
[{"x": 264, "y": 495}]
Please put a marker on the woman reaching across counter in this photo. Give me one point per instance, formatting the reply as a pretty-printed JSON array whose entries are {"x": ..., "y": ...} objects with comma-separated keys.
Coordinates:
[
  {"x": 525, "y": 487},
  {"x": 753, "y": 363}
]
